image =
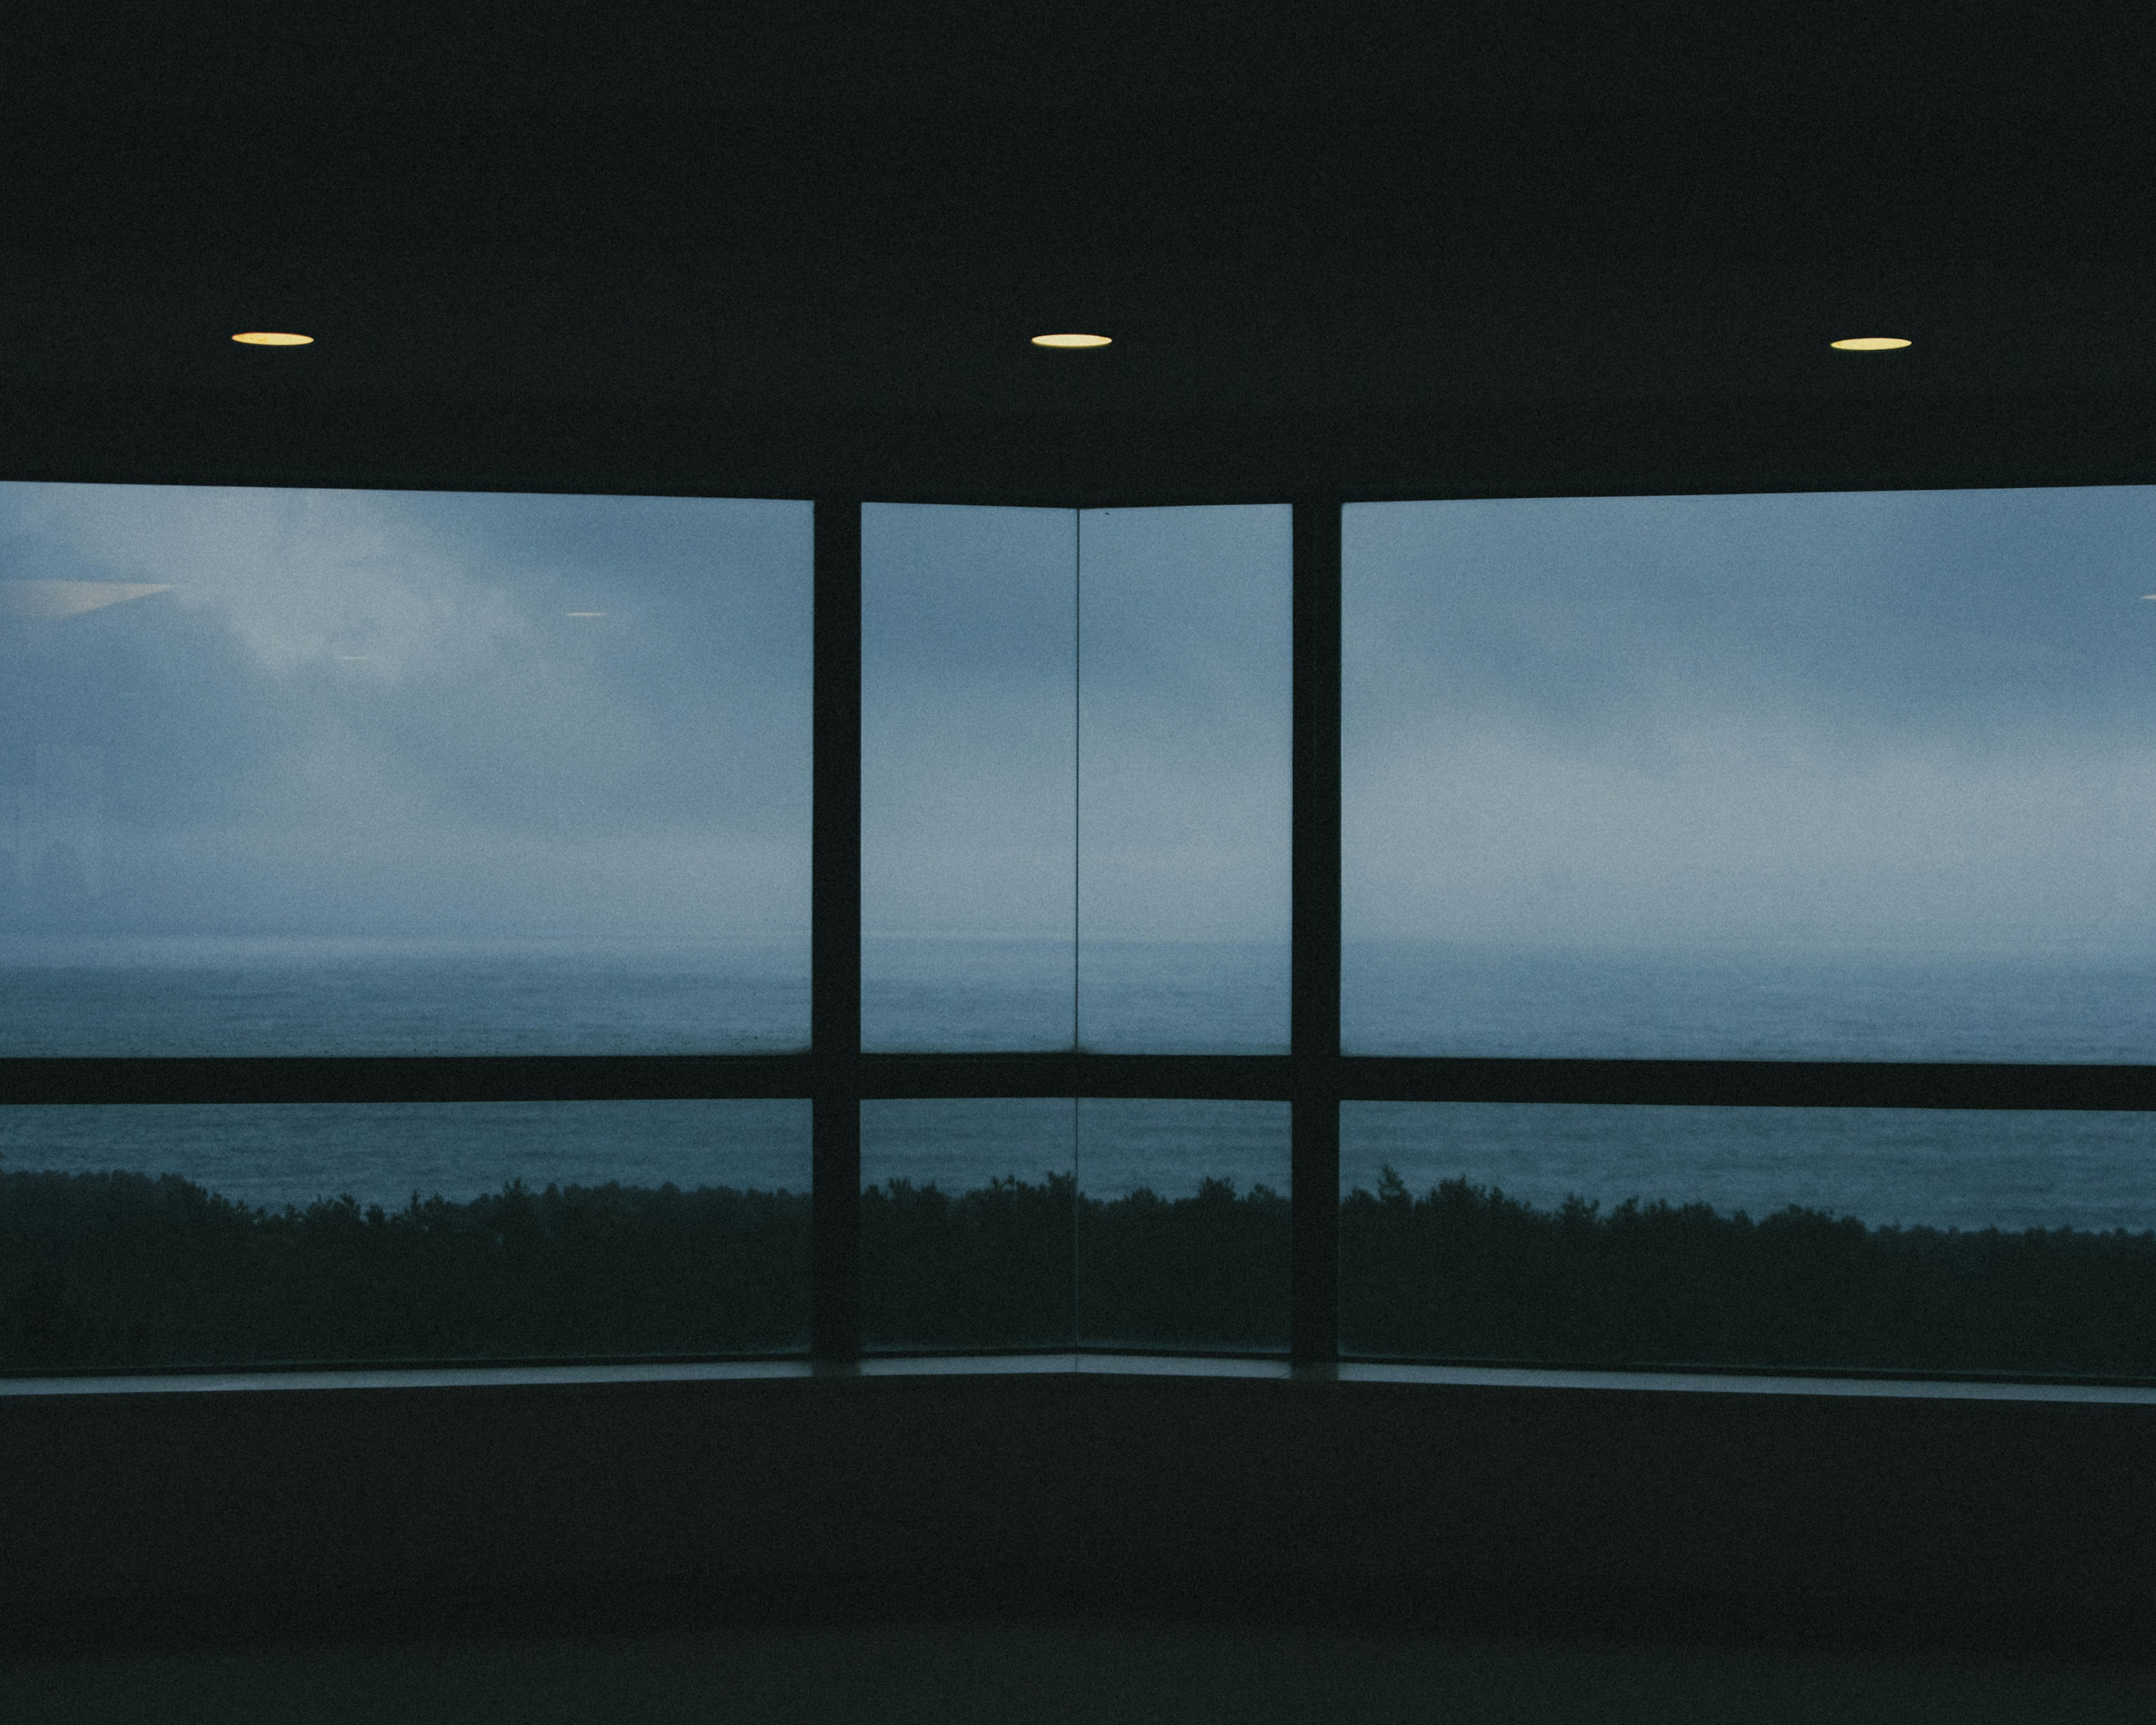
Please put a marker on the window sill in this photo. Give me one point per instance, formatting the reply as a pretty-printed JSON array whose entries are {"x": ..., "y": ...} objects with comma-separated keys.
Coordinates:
[{"x": 1697, "y": 1383}]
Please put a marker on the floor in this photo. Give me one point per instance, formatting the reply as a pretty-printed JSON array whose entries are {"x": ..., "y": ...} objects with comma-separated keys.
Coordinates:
[{"x": 959, "y": 1673}]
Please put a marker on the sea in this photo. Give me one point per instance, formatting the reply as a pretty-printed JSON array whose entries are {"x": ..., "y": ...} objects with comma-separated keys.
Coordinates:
[{"x": 1959, "y": 1168}]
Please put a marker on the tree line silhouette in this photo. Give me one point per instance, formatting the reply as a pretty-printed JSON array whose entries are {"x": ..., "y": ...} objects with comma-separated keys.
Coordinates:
[
  {"x": 1466, "y": 1272},
  {"x": 111, "y": 1271}
]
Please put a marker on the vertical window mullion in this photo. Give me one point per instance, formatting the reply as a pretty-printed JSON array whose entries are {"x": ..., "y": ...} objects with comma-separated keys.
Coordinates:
[
  {"x": 1314, "y": 1012},
  {"x": 835, "y": 935}
]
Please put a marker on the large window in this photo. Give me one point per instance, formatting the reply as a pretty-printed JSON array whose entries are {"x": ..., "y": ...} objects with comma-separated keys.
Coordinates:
[
  {"x": 1815, "y": 779},
  {"x": 1075, "y": 827},
  {"x": 1708, "y": 931},
  {"x": 288, "y": 774}
]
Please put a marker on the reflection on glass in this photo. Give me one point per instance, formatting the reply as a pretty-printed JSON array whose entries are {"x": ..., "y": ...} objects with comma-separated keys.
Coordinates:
[
  {"x": 291, "y": 772},
  {"x": 1177, "y": 1237},
  {"x": 1827, "y": 776},
  {"x": 1946, "y": 1240},
  {"x": 198, "y": 1234},
  {"x": 1075, "y": 778}
]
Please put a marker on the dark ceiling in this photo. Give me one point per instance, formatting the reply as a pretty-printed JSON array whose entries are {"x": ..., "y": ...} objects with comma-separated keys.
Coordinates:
[{"x": 780, "y": 249}]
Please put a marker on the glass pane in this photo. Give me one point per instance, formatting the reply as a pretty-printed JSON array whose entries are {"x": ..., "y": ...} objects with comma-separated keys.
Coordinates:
[
  {"x": 1182, "y": 1225},
  {"x": 1910, "y": 1240},
  {"x": 968, "y": 719},
  {"x": 198, "y": 1235},
  {"x": 1186, "y": 685},
  {"x": 1826, "y": 776},
  {"x": 1013, "y": 827},
  {"x": 966, "y": 1230},
  {"x": 968, "y": 1238},
  {"x": 292, "y": 772}
]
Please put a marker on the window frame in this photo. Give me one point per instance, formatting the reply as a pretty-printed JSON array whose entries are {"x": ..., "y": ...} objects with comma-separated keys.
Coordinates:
[{"x": 1313, "y": 1076}]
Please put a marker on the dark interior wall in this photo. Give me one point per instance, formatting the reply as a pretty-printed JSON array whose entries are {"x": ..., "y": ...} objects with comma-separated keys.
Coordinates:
[
  {"x": 1526, "y": 448},
  {"x": 1857, "y": 1507},
  {"x": 1417, "y": 297}
]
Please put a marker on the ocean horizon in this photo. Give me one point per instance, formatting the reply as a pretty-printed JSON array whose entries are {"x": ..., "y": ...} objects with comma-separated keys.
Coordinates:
[{"x": 2011, "y": 1169}]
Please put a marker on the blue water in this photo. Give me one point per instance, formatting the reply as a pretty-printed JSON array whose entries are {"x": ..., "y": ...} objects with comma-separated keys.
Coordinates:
[
  {"x": 200, "y": 996},
  {"x": 1965, "y": 1168},
  {"x": 1126, "y": 996},
  {"x": 1430, "y": 997}
]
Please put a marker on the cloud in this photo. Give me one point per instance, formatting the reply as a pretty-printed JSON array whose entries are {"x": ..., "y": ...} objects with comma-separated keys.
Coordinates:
[
  {"x": 1913, "y": 716},
  {"x": 376, "y": 708},
  {"x": 1053, "y": 699}
]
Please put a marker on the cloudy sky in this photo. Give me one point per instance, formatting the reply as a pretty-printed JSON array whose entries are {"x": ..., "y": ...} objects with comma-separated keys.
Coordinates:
[
  {"x": 981, "y": 626},
  {"x": 1915, "y": 717},
  {"x": 1925, "y": 718},
  {"x": 376, "y": 712},
  {"x": 379, "y": 712}
]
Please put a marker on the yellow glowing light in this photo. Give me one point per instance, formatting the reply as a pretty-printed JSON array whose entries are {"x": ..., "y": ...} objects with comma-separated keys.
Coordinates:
[
  {"x": 272, "y": 338},
  {"x": 1071, "y": 341},
  {"x": 1868, "y": 344}
]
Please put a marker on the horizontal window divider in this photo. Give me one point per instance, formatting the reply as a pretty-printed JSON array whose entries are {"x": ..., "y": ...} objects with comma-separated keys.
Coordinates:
[
  {"x": 1216, "y": 1078},
  {"x": 573, "y": 1078},
  {"x": 1746, "y": 1084},
  {"x": 569, "y": 1078}
]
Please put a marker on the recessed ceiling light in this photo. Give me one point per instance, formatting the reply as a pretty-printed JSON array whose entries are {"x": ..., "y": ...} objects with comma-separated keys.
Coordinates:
[
  {"x": 587, "y": 614},
  {"x": 1868, "y": 344},
  {"x": 272, "y": 338},
  {"x": 1071, "y": 341}
]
